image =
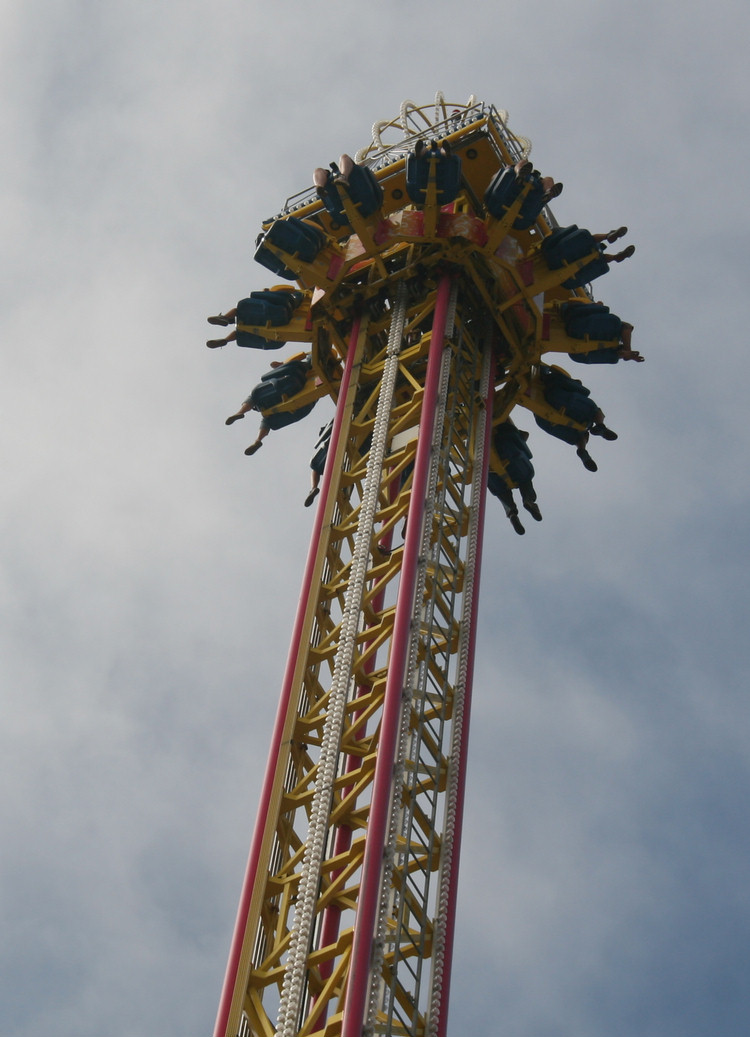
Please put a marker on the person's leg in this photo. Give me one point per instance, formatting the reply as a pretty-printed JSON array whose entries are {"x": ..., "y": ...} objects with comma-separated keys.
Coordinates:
[
  {"x": 346, "y": 165},
  {"x": 528, "y": 496},
  {"x": 223, "y": 319},
  {"x": 217, "y": 343},
  {"x": 246, "y": 406},
  {"x": 551, "y": 189},
  {"x": 516, "y": 522},
  {"x": 598, "y": 428},
  {"x": 505, "y": 495},
  {"x": 314, "y": 481},
  {"x": 586, "y": 459},
  {"x": 262, "y": 433},
  {"x": 321, "y": 177},
  {"x": 618, "y": 258}
]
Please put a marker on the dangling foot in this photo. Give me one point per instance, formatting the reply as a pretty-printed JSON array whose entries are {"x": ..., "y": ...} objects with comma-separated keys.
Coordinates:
[
  {"x": 533, "y": 509},
  {"x": 234, "y": 417},
  {"x": 625, "y": 254},
  {"x": 419, "y": 148},
  {"x": 337, "y": 175},
  {"x": 321, "y": 177},
  {"x": 615, "y": 234},
  {"x": 215, "y": 343},
  {"x": 603, "y": 431},
  {"x": 516, "y": 523},
  {"x": 311, "y": 496},
  {"x": 220, "y": 319},
  {"x": 252, "y": 448},
  {"x": 524, "y": 168},
  {"x": 553, "y": 192},
  {"x": 588, "y": 462}
]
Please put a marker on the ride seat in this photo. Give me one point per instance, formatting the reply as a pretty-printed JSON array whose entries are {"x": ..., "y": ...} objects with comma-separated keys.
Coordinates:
[
  {"x": 249, "y": 340},
  {"x": 447, "y": 177},
  {"x": 568, "y": 244},
  {"x": 364, "y": 190},
  {"x": 298, "y": 239},
  {"x": 504, "y": 190},
  {"x": 267, "y": 307}
]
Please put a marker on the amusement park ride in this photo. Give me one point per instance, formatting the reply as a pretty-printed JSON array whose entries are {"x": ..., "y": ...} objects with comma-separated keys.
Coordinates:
[{"x": 431, "y": 278}]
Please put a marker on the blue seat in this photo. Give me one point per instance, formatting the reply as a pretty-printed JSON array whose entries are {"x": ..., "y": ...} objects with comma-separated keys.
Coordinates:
[
  {"x": 608, "y": 355},
  {"x": 592, "y": 320},
  {"x": 587, "y": 273},
  {"x": 267, "y": 307},
  {"x": 293, "y": 236},
  {"x": 364, "y": 190},
  {"x": 504, "y": 190},
  {"x": 447, "y": 177},
  {"x": 249, "y": 340},
  {"x": 575, "y": 307},
  {"x": 287, "y": 417},
  {"x": 553, "y": 378},
  {"x": 602, "y": 326},
  {"x": 284, "y": 381},
  {"x": 563, "y": 432},
  {"x": 568, "y": 244}
]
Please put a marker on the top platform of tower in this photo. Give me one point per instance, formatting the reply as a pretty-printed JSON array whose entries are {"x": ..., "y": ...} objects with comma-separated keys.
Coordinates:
[
  {"x": 477, "y": 132},
  {"x": 440, "y": 188}
]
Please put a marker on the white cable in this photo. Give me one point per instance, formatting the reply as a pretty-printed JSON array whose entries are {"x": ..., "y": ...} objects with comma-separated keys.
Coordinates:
[
  {"x": 399, "y": 768},
  {"x": 290, "y": 1004},
  {"x": 452, "y": 787}
]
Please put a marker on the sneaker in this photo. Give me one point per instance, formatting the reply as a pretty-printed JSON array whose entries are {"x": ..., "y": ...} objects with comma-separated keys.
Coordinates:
[{"x": 516, "y": 523}]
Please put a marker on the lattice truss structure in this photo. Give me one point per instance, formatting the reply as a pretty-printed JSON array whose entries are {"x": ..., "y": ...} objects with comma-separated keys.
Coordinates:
[{"x": 426, "y": 322}]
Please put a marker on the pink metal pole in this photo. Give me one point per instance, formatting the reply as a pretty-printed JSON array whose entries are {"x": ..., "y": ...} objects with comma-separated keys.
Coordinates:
[
  {"x": 235, "y": 952},
  {"x": 450, "y": 924},
  {"x": 367, "y": 908}
]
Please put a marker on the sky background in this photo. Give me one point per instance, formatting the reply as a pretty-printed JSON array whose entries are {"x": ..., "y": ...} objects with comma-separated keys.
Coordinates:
[{"x": 150, "y": 570}]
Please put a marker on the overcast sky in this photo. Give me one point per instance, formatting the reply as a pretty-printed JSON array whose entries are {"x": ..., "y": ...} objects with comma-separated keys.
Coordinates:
[{"x": 150, "y": 570}]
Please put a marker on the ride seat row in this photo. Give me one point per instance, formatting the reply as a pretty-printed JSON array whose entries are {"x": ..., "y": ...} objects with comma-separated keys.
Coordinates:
[
  {"x": 568, "y": 244},
  {"x": 363, "y": 189},
  {"x": 447, "y": 177},
  {"x": 294, "y": 237},
  {"x": 503, "y": 191}
]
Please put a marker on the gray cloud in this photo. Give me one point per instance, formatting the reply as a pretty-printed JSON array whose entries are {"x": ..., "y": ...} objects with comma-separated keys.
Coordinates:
[{"x": 151, "y": 571}]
